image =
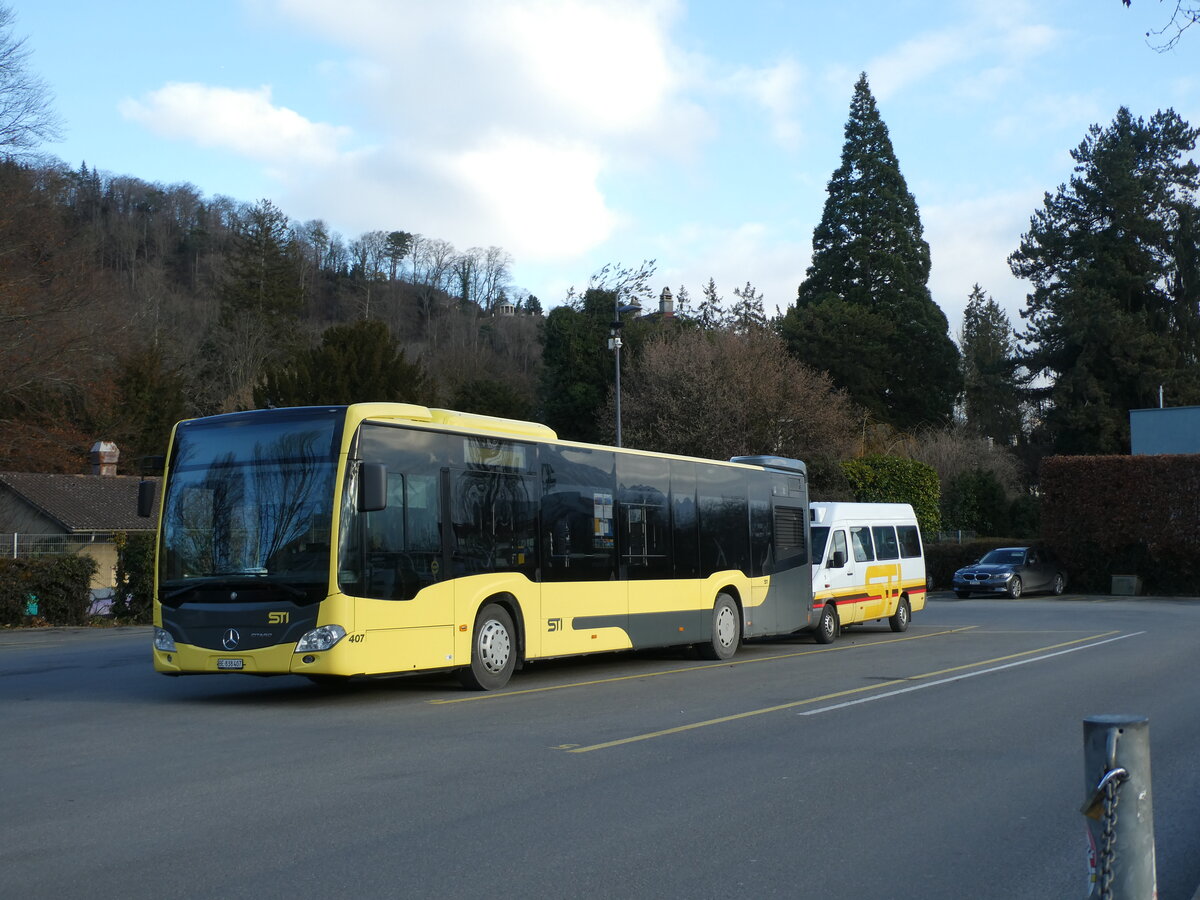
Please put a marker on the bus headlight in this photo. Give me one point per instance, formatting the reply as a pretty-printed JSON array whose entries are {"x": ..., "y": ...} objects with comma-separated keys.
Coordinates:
[
  {"x": 163, "y": 640},
  {"x": 320, "y": 638}
]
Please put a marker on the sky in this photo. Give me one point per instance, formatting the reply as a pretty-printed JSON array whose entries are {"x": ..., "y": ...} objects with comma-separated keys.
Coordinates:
[{"x": 579, "y": 133}]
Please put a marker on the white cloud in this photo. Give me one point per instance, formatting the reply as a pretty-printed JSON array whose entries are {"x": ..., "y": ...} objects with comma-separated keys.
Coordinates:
[
  {"x": 751, "y": 251},
  {"x": 970, "y": 241},
  {"x": 776, "y": 89},
  {"x": 243, "y": 121},
  {"x": 484, "y": 121},
  {"x": 974, "y": 58}
]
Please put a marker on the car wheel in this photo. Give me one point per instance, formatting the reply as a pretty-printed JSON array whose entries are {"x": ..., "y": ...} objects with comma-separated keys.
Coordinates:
[
  {"x": 1060, "y": 584},
  {"x": 1014, "y": 587}
]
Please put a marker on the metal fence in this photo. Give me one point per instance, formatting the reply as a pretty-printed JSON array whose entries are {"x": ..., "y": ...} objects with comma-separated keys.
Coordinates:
[
  {"x": 952, "y": 537},
  {"x": 17, "y": 544}
]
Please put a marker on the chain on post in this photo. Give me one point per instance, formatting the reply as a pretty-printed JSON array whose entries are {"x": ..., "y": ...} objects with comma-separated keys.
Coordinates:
[{"x": 1108, "y": 852}]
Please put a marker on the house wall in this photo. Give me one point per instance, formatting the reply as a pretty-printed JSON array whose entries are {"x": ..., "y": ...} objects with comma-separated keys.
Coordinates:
[
  {"x": 1175, "y": 429},
  {"x": 17, "y": 515},
  {"x": 106, "y": 564}
]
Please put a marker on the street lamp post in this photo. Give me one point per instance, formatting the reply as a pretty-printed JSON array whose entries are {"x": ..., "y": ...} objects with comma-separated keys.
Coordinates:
[{"x": 614, "y": 344}]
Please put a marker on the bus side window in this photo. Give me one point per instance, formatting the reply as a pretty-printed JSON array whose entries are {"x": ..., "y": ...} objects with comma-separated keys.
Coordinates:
[{"x": 837, "y": 550}]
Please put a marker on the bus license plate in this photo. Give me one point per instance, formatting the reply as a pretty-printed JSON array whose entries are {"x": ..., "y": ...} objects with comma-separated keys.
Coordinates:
[{"x": 230, "y": 663}]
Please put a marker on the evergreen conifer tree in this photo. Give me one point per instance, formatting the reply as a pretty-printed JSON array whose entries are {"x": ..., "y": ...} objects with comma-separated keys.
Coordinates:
[
  {"x": 709, "y": 313},
  {"x": 1115, "y": 307},
  {"x": 869, "y": 274},
  {"x": 354, "y": 363},
  {"x": 991, "y": 394},
  {"x": 747, "y": 313}
]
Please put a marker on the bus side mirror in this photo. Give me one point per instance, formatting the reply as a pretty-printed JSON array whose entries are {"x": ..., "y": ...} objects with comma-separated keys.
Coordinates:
[
  {"x": 145, "y": 507},
  {"x": 838, "y": 559},
  {"x": 372, "y": 487}
]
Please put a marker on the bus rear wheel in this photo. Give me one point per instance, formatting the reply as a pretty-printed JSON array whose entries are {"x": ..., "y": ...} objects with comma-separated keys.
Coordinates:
[
  {"x": 493, "y": 651},
  {"x": 726, "y": 630},
  {"x": 827, "y": 625},
  {"x": 900, "y": 620}
]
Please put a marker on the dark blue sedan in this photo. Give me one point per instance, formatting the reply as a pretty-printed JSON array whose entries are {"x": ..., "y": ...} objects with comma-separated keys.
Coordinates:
[{"x": 1012, "y": 571}]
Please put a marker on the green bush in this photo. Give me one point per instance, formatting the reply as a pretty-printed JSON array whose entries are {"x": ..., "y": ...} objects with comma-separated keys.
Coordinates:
[
  {"x": 61, "y": 586},
  {"x": 133, "y": 598},
  {"x": 975, "y": 501},
  {"x": 895, "y": 479}
]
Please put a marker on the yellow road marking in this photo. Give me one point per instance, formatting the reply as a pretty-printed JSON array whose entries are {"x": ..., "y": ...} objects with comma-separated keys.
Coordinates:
[
  {"x": 717, "y": 665},
  {"x": 834, "y": 696}
]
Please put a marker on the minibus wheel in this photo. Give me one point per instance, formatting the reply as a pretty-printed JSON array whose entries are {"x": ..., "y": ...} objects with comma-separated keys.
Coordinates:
[
  {"x": 827, "y": 625},
  {"x": 900, "y": 620}
]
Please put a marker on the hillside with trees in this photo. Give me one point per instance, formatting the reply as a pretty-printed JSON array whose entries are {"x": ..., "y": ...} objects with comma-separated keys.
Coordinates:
[{"x": 127, "y": 305}]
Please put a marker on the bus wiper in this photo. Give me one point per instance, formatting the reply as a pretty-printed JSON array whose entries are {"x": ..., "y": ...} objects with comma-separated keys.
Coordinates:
[
  {"x": 179, "y": 592},
  {"x": 218, "y": 581}
]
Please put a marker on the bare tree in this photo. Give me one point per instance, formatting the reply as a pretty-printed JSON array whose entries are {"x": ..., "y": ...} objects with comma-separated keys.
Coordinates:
[
  {"x": 497, "y": 265},
  {"x": 27, "y": 117},
  {"x": 1185, "y": 15},
  {"x": 369, "y": 255},
  {"x": 957, "y": 450},
  {"x": 719, "y": 394}
]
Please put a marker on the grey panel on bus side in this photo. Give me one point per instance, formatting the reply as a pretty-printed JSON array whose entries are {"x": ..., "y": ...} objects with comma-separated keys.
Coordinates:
[{"x": 791, "y": 597}]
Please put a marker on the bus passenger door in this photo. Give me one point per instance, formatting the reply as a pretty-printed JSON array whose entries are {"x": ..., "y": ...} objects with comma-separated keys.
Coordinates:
[{"x": 584, "y": 608}]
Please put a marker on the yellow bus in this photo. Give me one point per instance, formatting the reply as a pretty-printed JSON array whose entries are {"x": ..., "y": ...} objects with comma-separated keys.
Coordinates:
[{"x": 385, "y": 538}]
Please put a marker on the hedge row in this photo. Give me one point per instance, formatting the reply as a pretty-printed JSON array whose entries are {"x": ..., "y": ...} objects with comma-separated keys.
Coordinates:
[
  {"x": 51, "y": 590},
  {"x": 1124, "y": 515}
]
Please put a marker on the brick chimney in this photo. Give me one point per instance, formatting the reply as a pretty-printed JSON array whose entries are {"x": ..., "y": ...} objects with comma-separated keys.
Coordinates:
[{"x": 104, "y": 458}]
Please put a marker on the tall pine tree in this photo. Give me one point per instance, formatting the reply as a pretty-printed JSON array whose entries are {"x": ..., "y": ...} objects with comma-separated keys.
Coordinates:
[
  {"x": 991, "y": 393},
  {"x": 864, "y": 312},
  {"x": 1115, "y": 307}
]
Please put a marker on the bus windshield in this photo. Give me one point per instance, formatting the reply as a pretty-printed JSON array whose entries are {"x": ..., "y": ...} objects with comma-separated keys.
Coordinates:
[{"x": 251, "y": 497}]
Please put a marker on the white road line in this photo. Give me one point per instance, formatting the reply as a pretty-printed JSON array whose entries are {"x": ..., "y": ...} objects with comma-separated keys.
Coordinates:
[{"x": 965, "y": 675}]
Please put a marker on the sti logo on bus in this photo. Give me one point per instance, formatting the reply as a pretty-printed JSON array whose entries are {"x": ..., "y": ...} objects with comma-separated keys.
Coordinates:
[
  {"x": 278, "y": 618},
  {"x": 554, "y": 624}
]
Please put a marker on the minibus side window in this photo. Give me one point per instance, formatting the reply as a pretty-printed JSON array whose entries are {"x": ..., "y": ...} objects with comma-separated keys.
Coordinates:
[
  {"x": 860, "y": 539},
  {"x": 885, "y": 542},
  {"x": 910, "y": 541}
]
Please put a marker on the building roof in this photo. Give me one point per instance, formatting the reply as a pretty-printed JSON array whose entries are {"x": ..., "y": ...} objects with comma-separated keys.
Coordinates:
[{"x": 82, "y": 502}]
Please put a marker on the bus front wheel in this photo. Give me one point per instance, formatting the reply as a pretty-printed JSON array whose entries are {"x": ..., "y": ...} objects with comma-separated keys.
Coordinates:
[
  {"x": 493, "y": 651},
  {"x": 827, "y": 625},
  {"x": 900, "y": 620},
  {"x": 726, "y": 630}
]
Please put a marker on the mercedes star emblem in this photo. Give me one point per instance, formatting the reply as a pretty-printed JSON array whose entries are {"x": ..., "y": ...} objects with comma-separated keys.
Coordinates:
[{"x": 231, "y": 638}]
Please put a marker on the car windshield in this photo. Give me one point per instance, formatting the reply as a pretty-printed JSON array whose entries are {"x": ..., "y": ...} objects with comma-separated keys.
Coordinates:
[
  {"x": 250, "y": 496},
  {"x": 1009, "y": 557}
]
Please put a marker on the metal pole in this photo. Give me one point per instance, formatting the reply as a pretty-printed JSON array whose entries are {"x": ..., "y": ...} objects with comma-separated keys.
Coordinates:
[
  {"x": 616, "y": 330},
  {"x": 1119, "y": 808},
  {"x": 617, "y": 348}
]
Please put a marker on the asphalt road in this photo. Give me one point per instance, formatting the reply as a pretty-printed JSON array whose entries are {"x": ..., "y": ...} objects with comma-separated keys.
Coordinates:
[{"x": 943, "y": 763}]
